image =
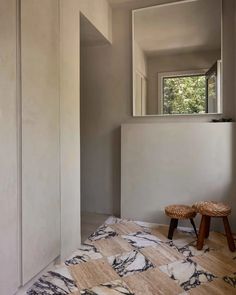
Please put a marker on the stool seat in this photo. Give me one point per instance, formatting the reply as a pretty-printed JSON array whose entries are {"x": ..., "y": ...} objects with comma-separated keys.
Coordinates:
[
  {"x": 176, "y": 212},
  {"x": 180, "y": 212},
  {"x": 212, "y": 209}
]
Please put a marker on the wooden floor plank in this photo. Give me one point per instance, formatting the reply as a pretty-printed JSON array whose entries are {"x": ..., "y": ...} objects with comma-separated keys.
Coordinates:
[
  {"x": 112, "y": 246},
  {"x": 162, "y": 254},
  {"x": 126, "y": 227},
  {"x": 217, "y": 263},
  {"x": 217, "y": 287},
  {"x": 152, "y": 282},
  {"x": 92, "y": 273}
]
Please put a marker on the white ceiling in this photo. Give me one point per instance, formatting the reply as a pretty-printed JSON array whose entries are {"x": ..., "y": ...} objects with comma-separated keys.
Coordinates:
[{"x": 179, "y": 27}]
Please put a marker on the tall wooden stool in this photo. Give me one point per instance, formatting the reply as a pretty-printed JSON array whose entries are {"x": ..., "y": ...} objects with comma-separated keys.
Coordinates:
[
  {"x": 176, "y": 212},
  {"x": 212, "y": 209}
]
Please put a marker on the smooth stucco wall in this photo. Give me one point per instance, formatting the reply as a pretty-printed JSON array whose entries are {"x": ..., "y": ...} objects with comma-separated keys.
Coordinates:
[
  {"x": 70, "y": 128},
  {"x": 40, "y": 135},
  {"x": 9, "y": 247},
  {"x": 141, "y": 61},
  {"x": 176, "y": 163},
  {"x": 99, "y": 14},
  {"x": 40, "y": 130},
  {"x": 108, "y": 103}
]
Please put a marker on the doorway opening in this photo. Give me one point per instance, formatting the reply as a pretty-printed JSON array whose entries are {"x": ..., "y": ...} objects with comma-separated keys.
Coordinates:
[{"x": 91, "y": 215}]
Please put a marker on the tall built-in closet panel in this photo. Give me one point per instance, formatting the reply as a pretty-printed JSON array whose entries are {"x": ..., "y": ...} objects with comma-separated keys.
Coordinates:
[
  {"x": 9, "y": 275},
  {"x": 40, "y": 135},
  {"x": 70, "y": 125}
]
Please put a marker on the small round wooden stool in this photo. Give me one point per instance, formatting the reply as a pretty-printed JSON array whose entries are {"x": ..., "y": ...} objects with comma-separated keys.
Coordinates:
[
  {"x": 176, "y": 212},
  {"x": 213, "y": 209}
]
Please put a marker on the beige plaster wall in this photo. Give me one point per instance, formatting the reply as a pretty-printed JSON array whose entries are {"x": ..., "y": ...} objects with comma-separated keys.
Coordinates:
[
  {"x": 108, "y": 104},
  {"x": 9, "y": 247},
  {"x": 141, "y": 61},
  {"x": 169, "y": 163},
  {"x": 40, "y": 135},
  {"x": 42, "y": 164},
  {"x": 99, "y": 14},
  {"x": 70, "y": 125}
]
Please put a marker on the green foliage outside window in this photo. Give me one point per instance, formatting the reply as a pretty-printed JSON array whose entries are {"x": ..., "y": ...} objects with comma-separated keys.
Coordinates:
[{"x": 184, "y": 95}]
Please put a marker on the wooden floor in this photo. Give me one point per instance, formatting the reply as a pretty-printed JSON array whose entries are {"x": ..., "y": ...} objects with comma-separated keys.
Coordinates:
[{"x": 134, "y": 258}]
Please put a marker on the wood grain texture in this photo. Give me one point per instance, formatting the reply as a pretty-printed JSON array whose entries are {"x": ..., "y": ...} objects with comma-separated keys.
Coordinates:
[
  {"x": 162, "y": 254},
  {"x": 217, "y": 263},
  {"x": 112, "y": 246},
  {"x": 217, "y": 287},
  {"x": 93, "y": 273},
  {"x": 158, "y": 234},
  {"x": 152, "y": 282},
  {"x": 153, "y": 268},
  {"x": 203, "y": 232},
  {"x": 229, "y": 235},
  {"x": 162, "y": 231},
  {"x": 124, "y": 228},
  {"x": 172, "y": 227}
]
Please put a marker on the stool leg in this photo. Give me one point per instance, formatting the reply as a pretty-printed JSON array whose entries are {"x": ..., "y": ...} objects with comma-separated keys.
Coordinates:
[
  {"x": 202, "y": 233},
  {"x": 208, "y": 223},
  {"x": 173, "y": 226},
  {"x": 194, "y": 227},
  {"x": 229, "y": 235}
]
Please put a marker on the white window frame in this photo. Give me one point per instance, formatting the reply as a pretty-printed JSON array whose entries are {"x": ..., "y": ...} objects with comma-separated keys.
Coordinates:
[
  {"x": 143, "y": 95},
  {"x": 163, "y": 75}
]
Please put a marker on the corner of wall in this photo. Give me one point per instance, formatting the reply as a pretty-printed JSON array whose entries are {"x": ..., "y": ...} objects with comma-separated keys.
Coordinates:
[{"x": 99, "y": 13}]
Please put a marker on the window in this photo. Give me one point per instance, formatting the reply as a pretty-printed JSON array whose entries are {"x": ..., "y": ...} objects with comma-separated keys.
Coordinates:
[{"x": 183, "y": 93}]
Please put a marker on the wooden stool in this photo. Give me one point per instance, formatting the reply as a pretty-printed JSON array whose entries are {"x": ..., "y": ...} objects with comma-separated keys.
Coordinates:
[
  {"x": 176, "y": 212},
  {"x": 212, "y": 209}
]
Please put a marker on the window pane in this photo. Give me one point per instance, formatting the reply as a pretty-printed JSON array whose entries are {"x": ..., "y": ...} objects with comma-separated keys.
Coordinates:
[
  {"x": 184, "y": 95},
  {"x": 212, "y": 83}
]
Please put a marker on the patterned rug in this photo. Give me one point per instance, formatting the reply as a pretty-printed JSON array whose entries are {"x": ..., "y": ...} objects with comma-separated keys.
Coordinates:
[{"x": 135, "y": 258}]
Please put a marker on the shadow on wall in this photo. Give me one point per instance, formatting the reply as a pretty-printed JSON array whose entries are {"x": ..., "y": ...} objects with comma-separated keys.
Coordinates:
[
  {"x": 116, "y": 160},
  {"x": 230, "y": 191},
  {"x": 230, "y": 197},
  {"x": 158, "y": 216}
]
